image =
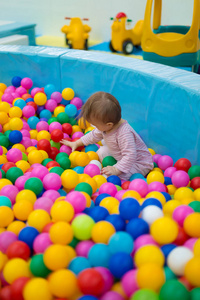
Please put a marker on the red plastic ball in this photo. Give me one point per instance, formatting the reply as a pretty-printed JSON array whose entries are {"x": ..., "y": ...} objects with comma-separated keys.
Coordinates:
[
  {"x": 182, "y": 237},
  {"x": 26, "y": 96},
  {"x": 186, "y": 283},
  {"x": 47, "y": 227},
  {"x": 52, "y": 164},
  {"x": 79, "y": 148},
  {"x": 91, "y": 282},
  {"x": 125, "y": 185},
  {"x": 67, "y": 128},
  {"x": 17, "y": 288},
  {"x": 18, "y": 249},
  {"x": 53, "y": 152},
  {"x": 57, "y": 135},
  {"x": 32, "y": 104},
  {"x": 5, "y": 293},
  {"x": 183, "y": 164},
  {"x": 7, "y": 166},
  {"x": 44, "y": 145},
  {"x": 195, "y": 183}
]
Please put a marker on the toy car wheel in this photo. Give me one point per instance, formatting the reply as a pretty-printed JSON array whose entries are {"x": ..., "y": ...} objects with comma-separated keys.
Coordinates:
[
  {"x": 128, "y": 47},
  {"x": 86, "y": 45},
  {"x": 111, "y": 47},
  {"x": 67, "y": 41}
]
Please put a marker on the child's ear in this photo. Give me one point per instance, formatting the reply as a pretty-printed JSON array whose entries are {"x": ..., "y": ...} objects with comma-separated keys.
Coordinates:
[{"x": 109, "y": 124}]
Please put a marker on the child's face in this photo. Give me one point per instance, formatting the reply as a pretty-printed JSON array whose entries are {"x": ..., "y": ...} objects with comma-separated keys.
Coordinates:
[{"x": 100, "y": 125}]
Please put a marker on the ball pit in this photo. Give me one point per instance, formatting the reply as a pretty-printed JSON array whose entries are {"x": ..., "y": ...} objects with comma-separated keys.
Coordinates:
[{"x": 67, "y": 232}]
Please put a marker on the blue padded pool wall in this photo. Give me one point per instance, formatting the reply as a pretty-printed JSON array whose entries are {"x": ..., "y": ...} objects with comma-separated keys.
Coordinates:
[{"x": 161, "y": 103}]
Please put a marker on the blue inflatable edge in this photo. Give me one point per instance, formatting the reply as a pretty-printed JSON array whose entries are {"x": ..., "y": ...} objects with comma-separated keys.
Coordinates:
[{"x": 161, "y": 103}]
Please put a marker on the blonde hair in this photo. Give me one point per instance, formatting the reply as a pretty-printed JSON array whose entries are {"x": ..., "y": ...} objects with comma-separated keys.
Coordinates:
[{"x": 103, "y": 107}]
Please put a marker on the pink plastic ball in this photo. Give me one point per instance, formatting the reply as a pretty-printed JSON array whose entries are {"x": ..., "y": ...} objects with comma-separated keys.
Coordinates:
[
  {"x": 52, "y": 181},
  {"x": 66, "y": 135},
  {"x": 108, "y": 188},
  {"x": 55, "y": 125},
  {"x": 26, "y": 142},
  {"x": 39, "y": 172},
  {"x": 15, "y": 95},
  {"x": 156, "y": 186},
  {"x": 41, "y": 242},
  {"x": 35, "y": 91},
  {"x": 1, "y": 150},
  {"x": 181, "y": 212},
  {"x": 6, "y": 97},
  {"x": 10, "y": 89},
  {"x": 77, "y": 134},
  {"x": 51, "y": 105},
  {"x": 6, "y": 238},
  {"x": 21, "y": 91},
  {"x": 170, "y": 171},
  {"x": 42, "y": 125},
  {"x": 190, "y": 243},
  {"x": 13, "y": 155},
  {"x": 92, "y": 170},
  {"x": 27, "y": 83},
  {"x": 25, "y": 133},
  {"x": 165, "y": 162},
  {"x": 66, "y": 149},
  {"x": 142, "y": 240},
  {"x": 34, "y": 142},
  {"x": 129, "y": 282},
  {"x": 52, "y": 194},
  {"x": 180, "y": 179},
  {"x": 25, "y": 125},
  {"x": 107, "y": 277},
  {"x": 77, "y": 200},
  {"x": 20, "y": 182},
  {"x": 28, "y": 111},
  {"x": 156, "y": 157},
  {"x": 119, "y": 194},
  {"x": 140, "y": 186},
  {"x": 57, "y": 96},
  {"x": 43, "y": 203},
  {"x": 83, "y": 247},
  {"x": 10, "y": 191},
  {"x": 77, "y": 102},
  {"x": 111, "y": 295},
  {"x": 1, "y": 128}
]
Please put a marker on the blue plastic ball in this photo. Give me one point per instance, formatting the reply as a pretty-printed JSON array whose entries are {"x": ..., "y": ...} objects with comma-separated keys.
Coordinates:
[
  {"x": 16, "y": 81},
  {"x": 114, "y": 179},
  {"x": 45, "y": 113},
  {"x": 79, "y": 264},
  {"x": 88, "y": 297},
  {"x": 129, "y": 208},
  {"x": 167, "y": 196},
  {"x": 29, "y": 100},
  {"x": 121, "y": 242},
  {"x": 5, "y": 201},
  {"x": 39, "y": 109},
  {"x": 91, "y": 147},
  {"x": 99, "y": 255},
  {"x": 79, "y": 169},
  {"x": 117, "y": 221},
  {"x": 62, "y": 192},
  {"x": 136, "y": 176},
  {"x": 49, "y": 89},
  {"x": 100, "y": 197},
  {"x": 15, "y": 136},
  {"x": 28, "y": 235},
  {"x": 32, "y": 122},
  {"x": 137, "y": 227},
  {"x": 71, "y": 110},
  {"x": 167, "y": 180},
  {"x": 98, "y": 213},
  {"x": 151, "y": 201},
  {"x": 120, "y": 263},
  {"x": 20, "y": 103}
]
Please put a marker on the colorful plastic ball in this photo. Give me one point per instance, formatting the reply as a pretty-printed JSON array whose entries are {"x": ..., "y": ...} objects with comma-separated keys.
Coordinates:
[
  {"x": 121, "y": 242},
  {"x": 40, "y": 98},
  {"x": 195, "y": 183},
  {"x": 6, "y": 216},
  {"x": 174, "y": 290},
  {"x": 16, "y": 268},
  {"x": 38, "y": 219},
  {"x": 77, "y": 200},
  {"x": 151, "y": 213},
  {"x": 180, "y": 179},
  {"x": 99, "y": 255},
  {"x": 5, "y": 292},
  {"x": 62, "y": 211},
  {"x": 32, "y": 122},
  {"x": 108, "y": 161},
  {"x": 156, "y": 186},
  {"x": 90, "y": 281},
  {"x": 4, "y": 141},
  {"x": 41, "y": 242},
  {"x": 5, "y": 201},
  {"x": 52, "y": 181},
  {"x": 17, "y": 288},
  {"x": 165, "y": 162},
  {"x": 13, "y": 155},
  {"x": 194, "y": 171},
  {"x": 92, "y": 170},
  {"x": 69, "y": 179},
  {"x": 83, "y": 248},
  {"x": 13, "y": 173},
  {"x": 15, "y": 136},
  {"x": 49, "y": 89},
  {"x": 108, "y": 188},
  {"x": 98, "y": 213},
  {"x": 6, "y": 239},
  {"x": 68, "y": 94},
  {"x": 34, "y": 184},
  {"x": 28, "y": 235},
  {"x": 183, "y": 164},
  {"x": 137, "y": 227},
  {"x": 117, "y": 221},
  {"x": 164, "y": 230},
  {"x": 129, "y": 208},
  {"x": 122, "y": 259},
  {"x": 18, "y": 249},
  {"x": 195, "y": 205},
  {"x": 77, "y": 102},
  {"x": 61, "y": 233},
  {"x": 191, "y": 224},
  {"x": 84, "y": 187},
  {"x": 67, "y": 128},
  {"x": 150, "y": 276},
  {"x": 71, "y": 110},
  {"x": 27, "y": 83},
  {"x": 79, "y": 264},
  {"x": 16, "y": 81},
  {"x": 114, "y": 179},
  {"x": 37, "y": 266},
  {"x": 181, "y": 212},
  {"x": 15, "y": 124},
  {"x": 102, "y": 231},
  {"x": 37, "y": 288},
  {"x": 56, "y": 257},
  {"x": 149, "y": 254},
  {"x": 178, "y": 258},
  {"x": 191, "y": 272},
  {"x": 82, "y": 226}
]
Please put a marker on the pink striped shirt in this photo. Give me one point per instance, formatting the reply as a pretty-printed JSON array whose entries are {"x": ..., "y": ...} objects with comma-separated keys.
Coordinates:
[{"x": 126, "y": 146}]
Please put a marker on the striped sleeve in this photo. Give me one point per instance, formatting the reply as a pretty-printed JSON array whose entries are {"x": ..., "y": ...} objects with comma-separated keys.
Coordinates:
[{"x": 92, "y": 137}]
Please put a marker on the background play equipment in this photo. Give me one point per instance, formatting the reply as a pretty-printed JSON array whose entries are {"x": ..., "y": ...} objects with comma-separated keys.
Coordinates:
[
  {"x": 76, "y": 33},
  {"x": 171, "y": 45},
  {"x": 123, "y": 39}
]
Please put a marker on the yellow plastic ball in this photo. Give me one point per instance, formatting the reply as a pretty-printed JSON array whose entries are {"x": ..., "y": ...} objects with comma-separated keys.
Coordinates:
[
  {"x": 3, "y": 260},
  {"x": 71, "y": 252},
  {"x": 82, "y": 159},
  {"x": 4, "y": 150},
  {"x": 131, "y": 194},
  {"x": 157, "y": 170},
  {"x": 150, "y": 276},
  {"x": 191, "y": 224},
  {"x": 3, "y": 87},
  {"x": 56, "y": 257},
  {"x": 100, "y": 179},
  {"x": 40, "y": 99},
  {"x": 109, "y": 203},
  {"x": 58, "y": 110},
  {"x": 62, "y": 211},
  {"x": 22, "y": 209},
  {"x": 82, "y": 124},
  {"x": 196, "y": 194},
  {"x": 37, "y": 288},
  {"x": 15, "y": 111},
  {"x": 4, "y": 182},
  {"x": 20, "y": 147},
  {"x": 43, "y": 135},
  {"x": 27, "y": 195},
  {"x": 157, "y": 195},
  {"x": 3, "y": 159},
  {"x": 151, "y": 151},
  {"x": 44, "y": 154},
  {"x": 35, "y": 156},
  {"x": 102, "y": 231},
  {"x": 186, "y": 201},
  {"x": 117, "y": 287},
  {"x": 183, "y": 192},
  {"x": 88, "y": 199},
  {"x": 3, "y": 117},
  {"x": 68, "y": 94},
  {"x": 164, "y": 230},
  {"x": 69, "y": 179},
  {"x": 38, "y": 219},
  {"x": 149, "y": 254},
  {"x": 16, "y": 227},
  {"x": 170, "y": 206},
  {"x": 61, "y": 233},
  {"x": 155, "y": 176},
  {"x": 63, "y": 283},
  {"x": 23, "y": 165},
  {"x": 192, "y": 271},
  {"x": 196, "y": 248},
  {"x": 72, "y": 158},
  {"x": 75, "y": 128},
  {"x": 6, "y": 127},
  {"x": 33, "y": 134},
  {"x": 171, "y": 189},
  {"x": 16, "y": 124},
  {"x": 89, "y": 129},
  {"x": 62, "y": 198},
  {"x": 29, "y": 149},
  {"x": 92, "y": 155},
  {"x": 4, "y": 106},
  {"x": 15, "y": 268},
  {"x": 6, "y": 216}
]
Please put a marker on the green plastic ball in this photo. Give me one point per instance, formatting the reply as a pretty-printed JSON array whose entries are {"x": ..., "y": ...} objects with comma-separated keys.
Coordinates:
[
  {"x": 5, "y": 201},
  {"x": 196, "y": 206},
  {"x": 74, "y": 242},
  {"x": 195, "y": 294},
  {"x": 174, "y": 290},
  {"x": 37, "y": 266},
  {"x": 4, "y": 141},
  {"x": 169, "y": 274},
  {"x": 54, "y": 144},
  {"x": 57, "y": 170},
  {"x": 24, "y": 156},
  {"x": 13, "y": 173},
  {"x": 82, "y": 226},
  {"x": 194, "y": 171},
  {"x": 145, "y": 294},
  {"x": 108, "y": 161},
  {"x": 46, "y": 161},
  {"x": 84, "y": 187},
  {"x": 64, "y": 162},
  {"x": 72, "y": 121},
  {"x": 3, "y": 173},
  {"x": 62, "y": 118},
  {"x": 61, "y": 154},
  {"x": 51, "y": 120},
  {"x": 34, "y": 184}
]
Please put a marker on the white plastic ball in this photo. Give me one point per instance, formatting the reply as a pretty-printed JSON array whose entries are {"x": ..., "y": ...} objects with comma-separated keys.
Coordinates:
[
  {"x": 151, "y": 213},
  {"x": 178, "y": 258}
]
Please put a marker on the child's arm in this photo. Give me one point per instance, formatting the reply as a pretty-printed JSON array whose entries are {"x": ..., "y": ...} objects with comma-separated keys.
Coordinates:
[{"x": 73, "y": 145}]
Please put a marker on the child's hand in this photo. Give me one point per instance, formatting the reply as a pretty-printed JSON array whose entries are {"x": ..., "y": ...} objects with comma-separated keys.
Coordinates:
[
  {"x": 72, "y": 145},
  {"x": 109, "y": 170}
]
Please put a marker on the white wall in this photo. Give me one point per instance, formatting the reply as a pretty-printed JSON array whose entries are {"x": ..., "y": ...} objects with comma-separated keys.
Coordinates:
[{"x": 49, "y": 14}]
